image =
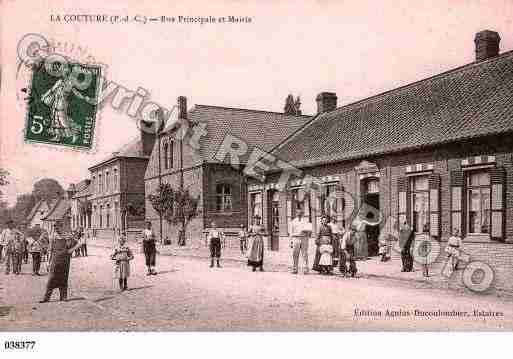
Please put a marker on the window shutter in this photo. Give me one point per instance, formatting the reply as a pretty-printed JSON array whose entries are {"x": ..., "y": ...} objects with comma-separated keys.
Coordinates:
[
  {"x": 402, "y": 190},
  {"x": 497, "y": 203},
  {"x": 434, "y": 205},
  {"x": 288, "y": 209},
  {"x": 339, "y": 194},
  {"x": 282, "y": 198},
  {"x": 457, "y": 197}
]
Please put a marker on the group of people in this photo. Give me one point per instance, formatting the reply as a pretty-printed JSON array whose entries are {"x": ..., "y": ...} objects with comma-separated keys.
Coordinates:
[
  {"x": 334, "y": 245},
  {"x": 15, "y": 247},
  {"x": 251, "y": 244}
]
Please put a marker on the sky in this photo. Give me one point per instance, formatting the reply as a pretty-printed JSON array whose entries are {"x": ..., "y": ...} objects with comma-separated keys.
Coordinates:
[{"x": 354, "y": 48}]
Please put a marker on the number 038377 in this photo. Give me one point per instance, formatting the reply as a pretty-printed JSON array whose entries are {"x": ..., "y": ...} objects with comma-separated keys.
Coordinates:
[{"x": 19, "y": 345}]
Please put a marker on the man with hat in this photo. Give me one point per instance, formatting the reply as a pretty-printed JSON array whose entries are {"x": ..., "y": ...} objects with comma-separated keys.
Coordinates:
[
  {"x": 62, "y": 246},
  {"x": 9, "y": 239},
  {"x": 347, "y": 249},
  {"x": 301, "y": 230}
]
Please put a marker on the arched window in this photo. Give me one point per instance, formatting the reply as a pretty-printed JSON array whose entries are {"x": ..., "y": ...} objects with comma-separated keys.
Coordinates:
[
  {"x": 107, "y": 224},
  {"x": 115, "y": 180},
  {"x": 166, "y": 159},
  {"x": 171, "y": 154}
]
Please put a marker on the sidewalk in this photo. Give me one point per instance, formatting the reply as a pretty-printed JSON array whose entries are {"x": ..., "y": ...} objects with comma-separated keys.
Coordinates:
[{"x": 371, "y": 268}]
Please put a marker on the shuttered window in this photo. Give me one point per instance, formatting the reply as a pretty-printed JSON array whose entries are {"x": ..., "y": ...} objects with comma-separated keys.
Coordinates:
[
  {"x": 434, "y": 205},
  {"x": 478, "y": 202},
  {"x": 282, "y": 199},
  {"x": 497, "y": 179},
  {"x": 402, "y": 210},
  {"x": 457, "y": 202},
  {"x": 420, "y": 214}
]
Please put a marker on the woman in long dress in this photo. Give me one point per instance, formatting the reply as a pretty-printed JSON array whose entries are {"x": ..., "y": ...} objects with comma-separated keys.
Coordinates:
[
  {"x": 256, "y": 246},
  {"x": 62, "y": 245},
  {"x": 325, "y": 246},
  {"x": 122, "y": 256},
  {"x": 361, "y": 250},
  {"x": 57, "y": 99}
]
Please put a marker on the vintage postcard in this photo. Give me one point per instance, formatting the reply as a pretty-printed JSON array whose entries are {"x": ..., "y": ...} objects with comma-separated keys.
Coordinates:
[{"x": 256, "y": 166}]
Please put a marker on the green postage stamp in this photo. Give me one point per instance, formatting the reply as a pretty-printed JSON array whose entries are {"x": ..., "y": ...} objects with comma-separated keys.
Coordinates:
[{"x": 63, "y": 104}]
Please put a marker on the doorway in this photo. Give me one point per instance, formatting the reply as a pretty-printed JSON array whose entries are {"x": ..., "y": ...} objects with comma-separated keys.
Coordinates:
[
  {"x": 274, "y": 221},
  {"x": 371, "y": 198}
]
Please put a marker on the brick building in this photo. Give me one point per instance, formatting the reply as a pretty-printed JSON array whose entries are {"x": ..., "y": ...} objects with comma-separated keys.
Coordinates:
[
  {"x": 116, "y": 191},
  {"x": 220, "y": 187},
  {"x": 437, "y": 153}
]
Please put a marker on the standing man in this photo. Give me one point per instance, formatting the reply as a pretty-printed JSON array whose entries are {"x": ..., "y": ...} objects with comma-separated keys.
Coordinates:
[
  {"x": 3, "y": 243},
  {"x": 84, "y": 236},
  {"x": 406, "y": 238},
  {"x": 337, "y": 236},
  {"x": 25, "y": 253},
  {"x": 243, "y": 236},
  {"x": 18, "y": 252},
  {"x": 35, "y": 247},
  {"x": 347, "y": 247},
  {"x": 301, "y": 230},
  {"x": 149, "y": 248},
  {"x": 214, "y": 241},
  {"x": 62, "y": 246},
  {"x": 8, "y": 237}
]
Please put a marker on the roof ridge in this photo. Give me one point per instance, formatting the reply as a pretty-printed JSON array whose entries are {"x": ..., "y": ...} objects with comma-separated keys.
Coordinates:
[
  {"x": 249, "y": 110},
  {"x": 382, "y": 95},
  {"x": 430, "y": 78},
  {"x": 296, "y": 132}
]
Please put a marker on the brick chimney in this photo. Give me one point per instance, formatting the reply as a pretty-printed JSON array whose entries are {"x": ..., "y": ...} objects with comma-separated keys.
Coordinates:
[
  {"x": 326, "y": 101},
  {"x": 182, "y": 107},
  {"x": 148, "y": 141},
  {"x": 487, "y": 44}
]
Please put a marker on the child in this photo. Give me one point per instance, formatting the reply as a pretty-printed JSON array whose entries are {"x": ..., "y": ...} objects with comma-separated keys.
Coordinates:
[
  {"x": 326, "y": 259},
  {"x": 453, "y": 248},
  {"x": 122, "y": 256},
  {"x": 215, "y": 237},
  {"x": 325, "y": 243},
  {"x": 243, "y": 235},
  {"x": 384, "y": 248}
]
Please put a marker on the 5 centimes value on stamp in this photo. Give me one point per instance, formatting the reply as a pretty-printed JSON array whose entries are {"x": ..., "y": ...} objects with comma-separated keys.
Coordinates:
[{"x": 63, "y": 104}]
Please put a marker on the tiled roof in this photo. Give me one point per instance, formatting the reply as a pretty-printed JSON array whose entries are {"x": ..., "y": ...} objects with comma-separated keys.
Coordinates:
[
  {"x": 261, "y": 129},
  {"x": 133, "y": 149},
  {"x": 471, "y": 101},
  {"x": 86, "y": 191},
  {"x": 58, "y": 211},
  {"x": 82, "y": 188}
]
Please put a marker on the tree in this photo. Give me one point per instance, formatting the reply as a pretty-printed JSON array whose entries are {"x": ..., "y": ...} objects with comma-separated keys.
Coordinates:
[
  {"x": 176, "y": 206},
  {"x": 289, "y": 108},
  {"x": 47, "y": 189},
  {"x": 292, "y": 107},
  {"x": 3, "y": 178},
  {"x": 4, "y": 212},
  {"x": 24, "y": 204}
]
